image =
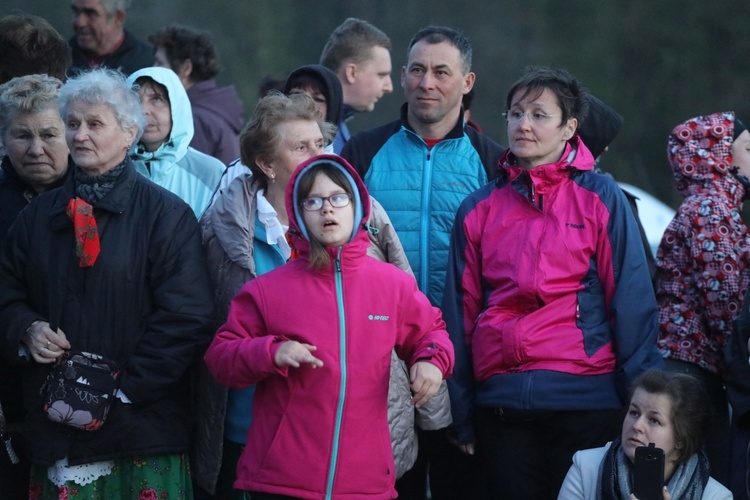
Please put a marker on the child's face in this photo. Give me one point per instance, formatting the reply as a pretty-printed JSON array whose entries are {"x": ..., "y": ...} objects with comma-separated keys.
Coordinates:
[
  {"x": 329, "y": 225},
  {"x": 317, "y": 96}
]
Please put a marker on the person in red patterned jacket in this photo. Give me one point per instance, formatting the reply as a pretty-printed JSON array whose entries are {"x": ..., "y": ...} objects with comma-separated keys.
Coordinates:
[{"x": 703, "y": 261}]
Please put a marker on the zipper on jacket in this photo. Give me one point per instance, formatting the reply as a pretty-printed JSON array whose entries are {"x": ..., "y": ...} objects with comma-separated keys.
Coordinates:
[
  {"x": 424, "y": 223},
  {"x": 540, "y": 203},
  {"x": 342, "y": 389}
]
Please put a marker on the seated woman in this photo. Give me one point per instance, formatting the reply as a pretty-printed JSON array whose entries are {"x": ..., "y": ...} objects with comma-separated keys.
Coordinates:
[{"x": 670, "y": 410}]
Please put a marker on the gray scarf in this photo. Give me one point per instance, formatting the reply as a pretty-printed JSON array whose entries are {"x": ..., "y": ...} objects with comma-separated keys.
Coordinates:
[{"x": 616, "y": 477}]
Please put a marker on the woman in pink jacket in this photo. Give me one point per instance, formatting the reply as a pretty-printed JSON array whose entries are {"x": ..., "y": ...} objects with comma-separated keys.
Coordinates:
[{"x": 315, "y": 335}]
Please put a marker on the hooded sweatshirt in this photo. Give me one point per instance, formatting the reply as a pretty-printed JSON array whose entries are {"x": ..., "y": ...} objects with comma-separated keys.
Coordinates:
[
  {"x": 218, "y": 118},
  {"x": 703, "y": 260},
  {"x": 175, "y": 166},
  {"x": 330, "y": 87},
  {"x": 323, "y": 432}
]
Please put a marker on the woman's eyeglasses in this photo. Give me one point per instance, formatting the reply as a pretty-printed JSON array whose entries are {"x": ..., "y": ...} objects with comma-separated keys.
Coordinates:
[
  {"x": 537, "y": 118},
  {"x": 338, "y": 200}
]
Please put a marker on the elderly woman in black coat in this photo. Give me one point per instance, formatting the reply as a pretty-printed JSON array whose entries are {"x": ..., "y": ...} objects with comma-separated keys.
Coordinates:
[{"x": 109, "y": 265}]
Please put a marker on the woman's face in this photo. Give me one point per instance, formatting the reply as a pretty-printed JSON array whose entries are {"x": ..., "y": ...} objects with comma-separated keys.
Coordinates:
[
  {"x": 97, "y": 142},
  {"x": 300, "y": 140},
  {"x": 158, "y": 111},
  {"x": 535, "y": 134},
  {"x": 649, "y": 420},
  {"x": 741, "y": 153},
  {"x": 329, "y": 225},
  {"x": 35, "y": 145},
  {"x": 317, "y": 96}
]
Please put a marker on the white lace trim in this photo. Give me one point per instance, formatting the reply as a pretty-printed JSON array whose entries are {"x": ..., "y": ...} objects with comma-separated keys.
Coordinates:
[
  {"x": 275, "y": 231},
  {"x": 61, "y": 472}
]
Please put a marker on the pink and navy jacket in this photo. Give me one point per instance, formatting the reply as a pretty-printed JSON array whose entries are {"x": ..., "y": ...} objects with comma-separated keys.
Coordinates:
[
  {"x": 703, "y": 261},
  {"x": 548, "y": 299},
  {"x": 323, "y": 432}
]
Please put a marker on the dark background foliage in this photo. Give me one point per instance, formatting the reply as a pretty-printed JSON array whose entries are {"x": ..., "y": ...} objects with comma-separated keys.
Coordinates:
[{"x": 657, "y": 62}]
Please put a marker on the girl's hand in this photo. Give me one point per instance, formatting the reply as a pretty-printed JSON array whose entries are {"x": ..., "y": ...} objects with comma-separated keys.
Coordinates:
[
  {"x": 293, "y": 353},
  {"x": 425, "y": 381}
]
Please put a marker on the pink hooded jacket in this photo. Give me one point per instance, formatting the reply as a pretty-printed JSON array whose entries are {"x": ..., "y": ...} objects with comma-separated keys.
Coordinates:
[{"x": 323, "y": 432}]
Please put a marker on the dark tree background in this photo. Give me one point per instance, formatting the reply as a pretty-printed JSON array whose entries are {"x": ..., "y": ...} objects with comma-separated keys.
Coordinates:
[{"x": 657, "y": 62}]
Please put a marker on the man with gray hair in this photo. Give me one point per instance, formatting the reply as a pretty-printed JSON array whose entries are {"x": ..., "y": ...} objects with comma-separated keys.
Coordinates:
[
  {"x": 101, "y": 39},
  {"x": 421, "y": 167},
  {"x": 359, "y": 54}
]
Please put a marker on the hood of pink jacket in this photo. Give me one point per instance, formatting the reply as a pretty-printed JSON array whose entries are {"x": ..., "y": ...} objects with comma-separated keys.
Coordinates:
[{"x": 297, "y": 231}]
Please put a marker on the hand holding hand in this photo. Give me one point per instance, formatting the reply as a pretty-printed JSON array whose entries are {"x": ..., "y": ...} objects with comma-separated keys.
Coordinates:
[
  {"x": 425, "y": 381},
  {"x": 44, "y": 344},
  {"x": 293, "y": 353}
]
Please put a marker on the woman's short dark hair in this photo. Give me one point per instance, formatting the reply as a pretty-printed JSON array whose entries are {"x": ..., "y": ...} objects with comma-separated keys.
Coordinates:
[
  {"x": 186, "y": 42},
  {"x": 319, "y": 258},
  {"x": 691, "y": 407},
  {"x": 571, "y": 94}
]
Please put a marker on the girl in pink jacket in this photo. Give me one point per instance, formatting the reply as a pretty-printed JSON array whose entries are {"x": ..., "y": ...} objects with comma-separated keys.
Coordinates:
[{"x": 315, "y": 335}]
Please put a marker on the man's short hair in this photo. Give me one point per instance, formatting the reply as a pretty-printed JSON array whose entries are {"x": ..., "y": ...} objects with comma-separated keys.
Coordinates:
[
  {"x": 439, "y": 34},
  {"x": 112, "y": 6},
  {"x": 185, "y": 42},
  {"x": 352, "y": 41},
  {"x": 30, "y": 45}
]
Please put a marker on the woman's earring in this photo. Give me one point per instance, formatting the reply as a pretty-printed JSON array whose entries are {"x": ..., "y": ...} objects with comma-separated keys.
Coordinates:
[{"x": 273, "y": 178}]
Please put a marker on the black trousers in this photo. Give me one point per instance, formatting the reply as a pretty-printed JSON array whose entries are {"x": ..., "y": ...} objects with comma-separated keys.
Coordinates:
[
  {"x": 452, "y": 474},
  {"x": 525, "y": 454}
]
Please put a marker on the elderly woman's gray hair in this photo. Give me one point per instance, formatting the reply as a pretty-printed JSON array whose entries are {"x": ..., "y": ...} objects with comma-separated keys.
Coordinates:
[
  {"x": 27, "y": 94},
  {"x": 105, "y": 87}
]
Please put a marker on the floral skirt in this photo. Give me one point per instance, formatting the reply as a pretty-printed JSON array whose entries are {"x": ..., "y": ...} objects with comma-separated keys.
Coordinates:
[{"x": 153, "y": 477}]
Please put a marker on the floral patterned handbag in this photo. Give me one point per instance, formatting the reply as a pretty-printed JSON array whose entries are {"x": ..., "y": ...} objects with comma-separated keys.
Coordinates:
[{"x": 79, "y": 390}]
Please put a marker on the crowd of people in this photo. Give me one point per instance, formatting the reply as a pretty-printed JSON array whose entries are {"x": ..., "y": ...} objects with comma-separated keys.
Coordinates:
[{"x": 197, "y": 306}]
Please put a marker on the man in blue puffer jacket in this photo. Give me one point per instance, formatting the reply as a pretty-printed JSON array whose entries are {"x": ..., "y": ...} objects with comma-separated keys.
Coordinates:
[{"x": 420, "y": 168}]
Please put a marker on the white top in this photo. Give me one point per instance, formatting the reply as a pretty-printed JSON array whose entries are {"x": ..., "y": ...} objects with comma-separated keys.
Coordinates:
[{"x": 582, "y": 480}]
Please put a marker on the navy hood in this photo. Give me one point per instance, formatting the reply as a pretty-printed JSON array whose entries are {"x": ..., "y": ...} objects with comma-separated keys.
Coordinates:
[{"x": 330, "y": 86}]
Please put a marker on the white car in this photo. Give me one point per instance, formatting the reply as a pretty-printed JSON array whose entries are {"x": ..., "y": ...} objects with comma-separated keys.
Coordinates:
[{"x": 655, "y": 215}]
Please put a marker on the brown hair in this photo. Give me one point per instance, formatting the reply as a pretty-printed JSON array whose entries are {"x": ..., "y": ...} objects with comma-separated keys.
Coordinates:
[
  {"x": 30, "y": 45},
  {"x": 185, "y": 42},
  {"x": 353, "y": 40},
  {"x": 260, "y": 138},
  {"x": 691, "y": 407}
]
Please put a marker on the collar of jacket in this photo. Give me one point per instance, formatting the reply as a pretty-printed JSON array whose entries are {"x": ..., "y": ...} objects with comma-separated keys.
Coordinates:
[
  {"x": 232, "y": 219},
  {"x": 533, "y": 183},
  {"x": 14, "y": 178},
  {"x": 456, "y": 132},
  {"x": 116, "y": 201}
]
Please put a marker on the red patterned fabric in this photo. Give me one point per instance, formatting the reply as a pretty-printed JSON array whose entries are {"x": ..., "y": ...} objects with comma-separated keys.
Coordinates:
[
  {"x": 703, "y": 261},
  {"x": 86, "y": 233},
  {"x": 295, "y": 252}
]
